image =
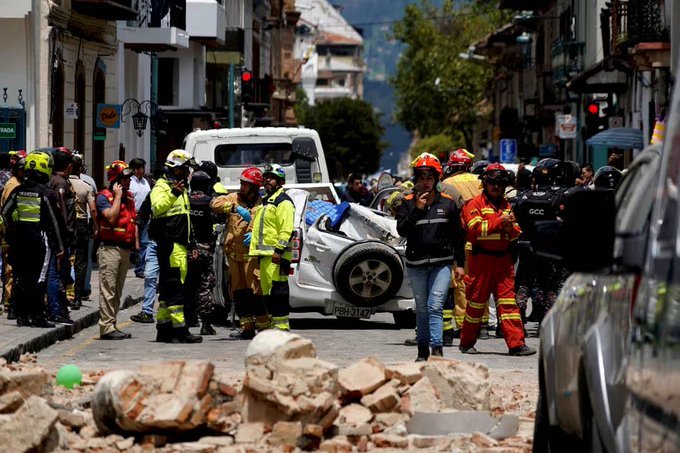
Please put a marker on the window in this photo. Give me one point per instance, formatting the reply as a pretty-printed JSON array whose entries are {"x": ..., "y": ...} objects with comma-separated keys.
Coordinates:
[
  {"x": 168, "y": 81},
  {"x": 243, "y": 154}
]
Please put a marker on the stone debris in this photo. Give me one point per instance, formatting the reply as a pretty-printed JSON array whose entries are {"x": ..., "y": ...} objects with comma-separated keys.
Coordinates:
[{"x": 289, "y": 400}]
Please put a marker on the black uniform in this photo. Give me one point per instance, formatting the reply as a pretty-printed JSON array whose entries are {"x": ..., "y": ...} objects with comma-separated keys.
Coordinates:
[
  {"x": 201, "y": 276},
  {"x": 538, "y": 278},
  {"x": 33, "y": 237}
]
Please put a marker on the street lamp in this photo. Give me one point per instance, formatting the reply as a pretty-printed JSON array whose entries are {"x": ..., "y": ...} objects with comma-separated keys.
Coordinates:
[{"x": 144, "y": 109}]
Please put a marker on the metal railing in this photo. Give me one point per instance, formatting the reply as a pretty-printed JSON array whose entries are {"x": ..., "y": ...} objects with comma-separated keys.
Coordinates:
[{"x": 636, "y": 21}]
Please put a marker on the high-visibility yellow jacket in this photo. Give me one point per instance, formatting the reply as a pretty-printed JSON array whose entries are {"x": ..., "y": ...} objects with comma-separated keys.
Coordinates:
[
  {"x": 467, "y": 184},
  {"x": 170, "y": 214},
  {"x": 236, "y": 226},
  {"x": 273, "y": 226}
]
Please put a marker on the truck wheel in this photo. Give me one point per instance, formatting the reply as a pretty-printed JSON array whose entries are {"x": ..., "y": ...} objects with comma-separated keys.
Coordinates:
[
  {"x": 405, "y": 319},
  {"x": 368, "y": 274}
]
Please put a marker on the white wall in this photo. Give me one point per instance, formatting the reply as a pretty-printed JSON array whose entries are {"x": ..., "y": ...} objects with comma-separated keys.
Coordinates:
[
  {"x": 135, "y": 82},
  {"x": 14, "y": 69},
  {"x": 590, "y": 22},
  {"x": 191, "y": 76}
]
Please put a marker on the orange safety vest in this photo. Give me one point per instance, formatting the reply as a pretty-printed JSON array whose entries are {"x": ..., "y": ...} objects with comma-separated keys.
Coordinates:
[{"x": 123, "y": 232}]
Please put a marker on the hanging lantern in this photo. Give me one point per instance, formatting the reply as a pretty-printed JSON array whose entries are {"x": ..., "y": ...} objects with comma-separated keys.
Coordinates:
[{"x": 139, "y": 122}]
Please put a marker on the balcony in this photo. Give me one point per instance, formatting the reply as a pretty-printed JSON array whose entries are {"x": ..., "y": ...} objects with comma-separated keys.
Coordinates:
[
  {"x": 206, "y": 21},
  {"x": 637, "y": 21},
  {"x": 156, "y": 29},
  {"x": 567, "y": 60},
  {"x": 106, "y": 9}
]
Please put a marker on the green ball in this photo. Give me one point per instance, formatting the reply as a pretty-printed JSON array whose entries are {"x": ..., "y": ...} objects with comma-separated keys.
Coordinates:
[{"x": 69, "y": 376}]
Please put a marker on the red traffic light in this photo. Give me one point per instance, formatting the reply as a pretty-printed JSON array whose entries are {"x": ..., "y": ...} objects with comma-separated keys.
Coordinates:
[
  {"x": 246, "y": 76},
  {"x": 593, "y": 109}
]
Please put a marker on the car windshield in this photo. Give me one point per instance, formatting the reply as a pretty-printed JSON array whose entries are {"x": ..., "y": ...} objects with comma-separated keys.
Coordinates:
[{"x": 244, "y": 154}]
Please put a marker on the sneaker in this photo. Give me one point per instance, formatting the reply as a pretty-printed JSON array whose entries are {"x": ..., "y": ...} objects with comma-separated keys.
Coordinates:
[
  {"x": 115, "y": 335},
  {"x": 207, "y": 329},
  {"x": 23, "y": 321},
  {"x": 139, "y": 274},
  {"x": 470, "y": 350},
  {"x": 127, "y": 335},
  {"x": 59, "y": 319},
  {"x": 86, "y": 295},
  {"x": 522, "y": 350},
  {"x": 143, "y": 317},
  {"x": 242, "y": 335},
  {"x": 483, "y": 334},
  {"x": 75, "y": 305}
]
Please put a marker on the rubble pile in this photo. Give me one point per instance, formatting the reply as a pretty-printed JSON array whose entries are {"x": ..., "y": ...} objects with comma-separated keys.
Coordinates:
[{"x": 289, "y": 400}]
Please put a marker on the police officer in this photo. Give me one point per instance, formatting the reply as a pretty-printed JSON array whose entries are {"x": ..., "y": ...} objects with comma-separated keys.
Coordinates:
[
  {"x": 239, "y": 208},
  {"x": 34, "y": 231},
  {"x": 270, "y": 241},
  {"x": 171, "y": 229},
  {"x": 538, "y": 277},
  {"x": 201, "y": 277},
  {"x": 216, "y": 187},
  {"x": 607, "y": 177}
]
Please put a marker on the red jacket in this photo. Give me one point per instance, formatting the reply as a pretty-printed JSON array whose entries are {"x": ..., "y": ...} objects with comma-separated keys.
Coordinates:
[
  {"x": 123, "y": 232},
  {"x": 483, "y": 223}
]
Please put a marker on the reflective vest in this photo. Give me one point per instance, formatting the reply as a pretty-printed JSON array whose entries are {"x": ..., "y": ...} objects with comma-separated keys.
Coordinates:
[
  {"x": 28, "y": 207},
  {"x": 170, "y": 214},
  {"x": 273, "y": 226},
  {"x": 123, "y": 231},
  {"x": 467, "y": 184}
]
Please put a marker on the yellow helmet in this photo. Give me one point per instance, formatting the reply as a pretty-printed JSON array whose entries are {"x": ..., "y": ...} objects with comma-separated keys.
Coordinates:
[
  {"x": 40, "y": 162},
  {"x": 177, "y": 158}
]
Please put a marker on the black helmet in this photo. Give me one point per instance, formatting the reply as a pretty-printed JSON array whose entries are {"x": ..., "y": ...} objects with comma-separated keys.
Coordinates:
[
  {"x": 209, "y": 168},
  {"x": 547, "y": 171},
  {"x": 607, "y": 177},
  {"x": 200, "y": 181},
  {"x": 479, "y": 167},
  {"x": 524, "y": 179}
]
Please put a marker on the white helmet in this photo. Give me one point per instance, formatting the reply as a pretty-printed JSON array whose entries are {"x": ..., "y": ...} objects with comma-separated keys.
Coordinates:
[{"x": 178, "y": 158}]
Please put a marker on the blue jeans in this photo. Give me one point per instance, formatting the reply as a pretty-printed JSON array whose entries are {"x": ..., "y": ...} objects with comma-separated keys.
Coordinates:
[
  {"x": 143, "y": 244},
  {"x": 430, "y": 288},
  {"x": 58, "y": 276},
  {"x": 151, "y": 272}
]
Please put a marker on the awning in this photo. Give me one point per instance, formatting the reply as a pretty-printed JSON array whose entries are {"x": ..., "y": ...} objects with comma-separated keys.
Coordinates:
[
  {"x": 607, "y": 76},
  {"x": 619, "y": 137}
]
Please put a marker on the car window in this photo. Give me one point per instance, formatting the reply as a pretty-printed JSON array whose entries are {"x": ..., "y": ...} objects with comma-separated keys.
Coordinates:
[
  {"x": 242, "y": 154},
  {"x": 633, "y": 196}
]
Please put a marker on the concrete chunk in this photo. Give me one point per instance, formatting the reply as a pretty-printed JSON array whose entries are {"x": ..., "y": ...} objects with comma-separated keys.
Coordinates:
[{"x": 362, "y": 378}]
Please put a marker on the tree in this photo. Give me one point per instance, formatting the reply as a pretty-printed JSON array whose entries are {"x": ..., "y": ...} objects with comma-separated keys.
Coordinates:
[
  {"x": 350, "y": 132},
  {"x": 437, "y": 91},
  {"x": 440, "y": 145}
]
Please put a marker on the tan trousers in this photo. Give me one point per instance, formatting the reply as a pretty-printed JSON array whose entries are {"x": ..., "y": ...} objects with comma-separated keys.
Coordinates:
[
  {"x": 113, "y": 266},
  {"x": 244, "y": 275},
  {"x": 9, "y": 278}
]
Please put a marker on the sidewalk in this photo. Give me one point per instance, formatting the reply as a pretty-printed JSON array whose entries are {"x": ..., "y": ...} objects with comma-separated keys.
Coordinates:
[{"x": 15, "y": 340}]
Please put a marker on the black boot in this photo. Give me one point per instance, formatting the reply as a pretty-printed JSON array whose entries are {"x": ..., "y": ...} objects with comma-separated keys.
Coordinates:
[
  {"x": 182, "y": 335},
  {"x": 242, "y": 334},
  {"x": 76, "y": 304},
  {"x": 483, "y": 334},
  {"x": 42, "y": 322},
  {"x": 207, "y": 329},
  {"x": 164, "y": 333},
  {"x": 448, "y": 337},
  {"x": 437, "y": 351},
  {"x": 423, "y": 353},
  {"x": 23, "y": 321}
]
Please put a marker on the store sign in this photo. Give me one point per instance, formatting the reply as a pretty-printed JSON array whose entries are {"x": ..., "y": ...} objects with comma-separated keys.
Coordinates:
[
  {"x": 71, "y": 111},
  {"x": 8, "y": 130},
  {"x": 565, "y": 126},
  {"x": 108, "y": 116}
]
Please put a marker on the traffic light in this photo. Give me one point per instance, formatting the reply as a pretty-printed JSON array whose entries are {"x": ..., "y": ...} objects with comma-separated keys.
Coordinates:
[
  {"x": 246, "y": 87},
  {"x": 596, "y": 118}
]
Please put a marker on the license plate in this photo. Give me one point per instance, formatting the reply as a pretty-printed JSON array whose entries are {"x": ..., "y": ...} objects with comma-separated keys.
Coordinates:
[{"x": 350, "y": 311}]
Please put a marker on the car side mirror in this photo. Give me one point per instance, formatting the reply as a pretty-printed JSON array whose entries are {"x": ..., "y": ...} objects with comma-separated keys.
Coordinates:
[{"x": 584, "y": 239}]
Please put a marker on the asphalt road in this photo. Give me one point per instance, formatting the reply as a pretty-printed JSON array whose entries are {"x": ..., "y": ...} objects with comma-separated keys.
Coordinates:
[{"x": 336, "y": 341}]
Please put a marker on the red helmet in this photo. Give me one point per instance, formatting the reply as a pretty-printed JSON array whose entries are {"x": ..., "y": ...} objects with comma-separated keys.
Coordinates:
[
  {"x": 252, "y": 175},
  {"x": 427, "y": 161},
  {"x": 460, "y": 157},
  {"x": 116, "y": 169},
  {"x": 17, "y": 159},
  {"x": 497, "y": 173}
]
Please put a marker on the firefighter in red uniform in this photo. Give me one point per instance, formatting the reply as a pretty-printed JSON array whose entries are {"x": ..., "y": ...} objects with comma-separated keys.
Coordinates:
[{"x": 491, "y": 229}]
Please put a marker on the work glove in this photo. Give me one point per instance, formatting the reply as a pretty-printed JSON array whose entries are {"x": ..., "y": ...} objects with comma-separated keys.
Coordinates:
[
  {"x": 244, "y": 213},
  {"x": 246, "y": 239}
]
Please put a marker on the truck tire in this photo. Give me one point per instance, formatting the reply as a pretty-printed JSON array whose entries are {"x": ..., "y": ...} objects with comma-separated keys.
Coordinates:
[{"x": 368, "y": 274}]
